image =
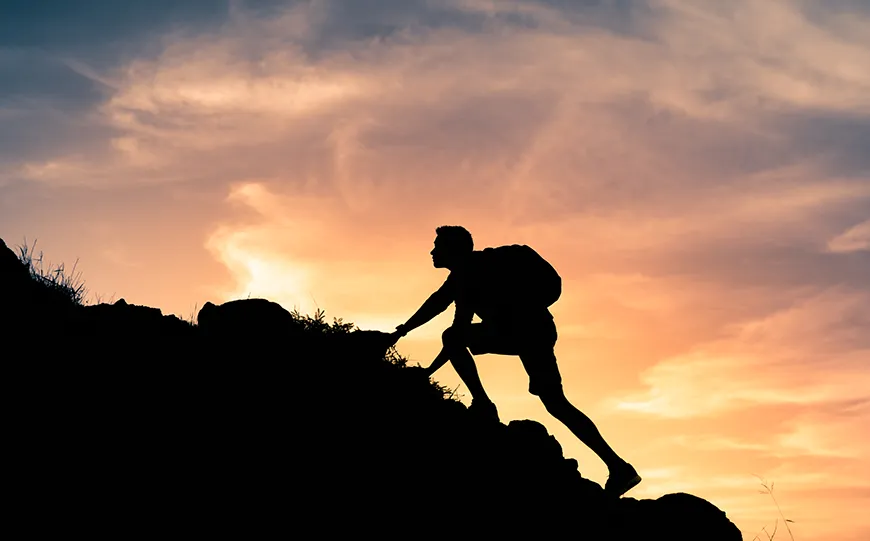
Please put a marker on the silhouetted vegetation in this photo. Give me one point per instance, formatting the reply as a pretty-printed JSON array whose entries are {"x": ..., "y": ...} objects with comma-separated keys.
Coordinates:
[{"x": 54, "y": 278}]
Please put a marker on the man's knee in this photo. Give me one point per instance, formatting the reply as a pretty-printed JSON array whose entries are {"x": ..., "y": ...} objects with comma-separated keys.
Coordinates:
[{"x": 452, "y": 338}]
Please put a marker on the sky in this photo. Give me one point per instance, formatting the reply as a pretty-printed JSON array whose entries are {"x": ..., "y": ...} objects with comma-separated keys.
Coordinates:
[{"x": 697, "y": 171}]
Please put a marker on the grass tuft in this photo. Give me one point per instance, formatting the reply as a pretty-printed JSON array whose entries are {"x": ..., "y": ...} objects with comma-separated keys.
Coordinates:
[{"x": 55, "y": 278}]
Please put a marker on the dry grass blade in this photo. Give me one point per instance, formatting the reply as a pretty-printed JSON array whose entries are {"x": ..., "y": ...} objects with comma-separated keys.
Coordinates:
[
  {"x": 768, "y": 489},
  {"x": 68, "y": 284}
]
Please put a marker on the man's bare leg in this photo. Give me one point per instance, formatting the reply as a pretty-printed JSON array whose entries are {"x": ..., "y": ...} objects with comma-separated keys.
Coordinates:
[
  {"x": 582, "y": 427},
  {"x": 622, "y": 475},
  {"x": 465, "y": 367},
  {"x": 463, "y": 362}
]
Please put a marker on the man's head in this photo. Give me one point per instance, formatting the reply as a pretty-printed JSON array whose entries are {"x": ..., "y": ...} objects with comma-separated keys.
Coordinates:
[{"x": 453, "y": 245}]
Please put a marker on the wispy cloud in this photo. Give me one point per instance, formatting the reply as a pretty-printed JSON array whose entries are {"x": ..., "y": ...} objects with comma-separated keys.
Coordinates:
[
  {"x": 811, "y": 353},
  {"x": 855, "y": 239}
]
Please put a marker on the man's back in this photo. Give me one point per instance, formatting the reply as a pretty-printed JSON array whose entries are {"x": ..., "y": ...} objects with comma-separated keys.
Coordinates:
[{"x": 507, "y": 281}]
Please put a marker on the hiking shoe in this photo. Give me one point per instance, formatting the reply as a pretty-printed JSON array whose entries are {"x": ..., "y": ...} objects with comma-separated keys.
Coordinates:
[
  {"x": 484, "y": 410},
  {"x": 622, "y": 479}
]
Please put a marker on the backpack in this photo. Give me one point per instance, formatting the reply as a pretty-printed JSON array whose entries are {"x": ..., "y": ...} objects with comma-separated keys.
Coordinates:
[{"x": 521, "y": 271}]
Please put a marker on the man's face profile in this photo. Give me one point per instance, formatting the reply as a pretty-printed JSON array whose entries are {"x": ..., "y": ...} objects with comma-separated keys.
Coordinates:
[{"x": 440, "y": 254}]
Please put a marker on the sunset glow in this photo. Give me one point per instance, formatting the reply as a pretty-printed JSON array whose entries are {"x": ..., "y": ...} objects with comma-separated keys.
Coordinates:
[{"x": 697, "y": 171}]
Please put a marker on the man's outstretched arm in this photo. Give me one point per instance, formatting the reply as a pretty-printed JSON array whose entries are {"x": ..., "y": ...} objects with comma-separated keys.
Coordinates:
[{"x": 434, "y": 305}]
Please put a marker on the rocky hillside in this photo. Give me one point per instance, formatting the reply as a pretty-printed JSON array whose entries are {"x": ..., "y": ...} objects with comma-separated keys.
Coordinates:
[{"x": 124, "y": 421}]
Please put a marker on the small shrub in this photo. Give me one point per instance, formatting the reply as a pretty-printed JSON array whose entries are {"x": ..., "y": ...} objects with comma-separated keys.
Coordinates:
[
  {"x": 55, "y": 278},
  {"x": 317, "y": 323}
]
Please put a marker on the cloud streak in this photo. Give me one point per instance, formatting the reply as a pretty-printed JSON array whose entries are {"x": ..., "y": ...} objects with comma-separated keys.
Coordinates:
[
  {"x": 855, "y": 239},
  {"x": 812, "y": 353}
]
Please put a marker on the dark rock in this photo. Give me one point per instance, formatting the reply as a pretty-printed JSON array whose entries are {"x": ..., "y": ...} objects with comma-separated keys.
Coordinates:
[
  {"x": 241, "y": 320},
  {"x": 133, "y": 324},
  {"x": 13, "y": 272},
  {"x": 15, "y": 287},
  {"x": 679, "y": 517}
]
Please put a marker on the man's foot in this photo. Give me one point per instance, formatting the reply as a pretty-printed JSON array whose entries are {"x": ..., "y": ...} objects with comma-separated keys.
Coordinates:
[
  {"x": 484, "y": 410},
  {"x": 622, "y": 479}
]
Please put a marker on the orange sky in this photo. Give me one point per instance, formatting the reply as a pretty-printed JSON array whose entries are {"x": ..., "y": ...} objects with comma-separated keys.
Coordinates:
[{"x": 698, "y": 173}]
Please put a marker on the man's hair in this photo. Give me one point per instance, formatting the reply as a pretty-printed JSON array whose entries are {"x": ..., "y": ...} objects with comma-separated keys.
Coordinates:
[{"x": 456, "y": 236}]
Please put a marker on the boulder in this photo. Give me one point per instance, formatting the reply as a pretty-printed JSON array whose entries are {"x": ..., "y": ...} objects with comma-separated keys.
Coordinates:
[
  {"x": 257, "y": 313},
  {"x": 247, "y": 323},
  {"x": 677, "y": 517}
]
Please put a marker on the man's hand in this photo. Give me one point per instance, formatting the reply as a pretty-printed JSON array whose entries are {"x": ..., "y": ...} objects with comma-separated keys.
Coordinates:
[
  {"x": 398, "y": 333},
  {"x": 394, "y": 337}
]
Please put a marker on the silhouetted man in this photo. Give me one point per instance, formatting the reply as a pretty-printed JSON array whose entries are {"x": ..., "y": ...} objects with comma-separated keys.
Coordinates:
[{"x": 510, "y": 325}]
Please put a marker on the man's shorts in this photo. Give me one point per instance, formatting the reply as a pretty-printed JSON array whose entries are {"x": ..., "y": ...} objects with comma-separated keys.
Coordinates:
[{"x": 533, "y": 341}]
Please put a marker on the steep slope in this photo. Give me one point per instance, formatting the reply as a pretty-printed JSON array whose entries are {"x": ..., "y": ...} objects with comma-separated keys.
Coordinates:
[{"x": 256, "y": 420}]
